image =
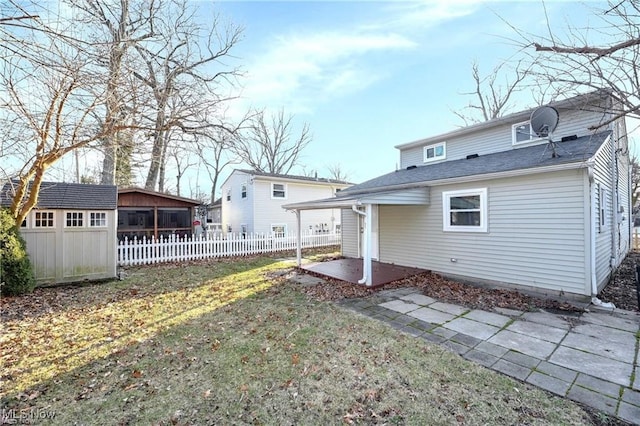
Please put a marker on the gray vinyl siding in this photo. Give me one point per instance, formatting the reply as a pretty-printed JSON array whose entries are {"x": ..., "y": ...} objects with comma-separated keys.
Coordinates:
[
  {"x": 350, "y": 233},
  {"x": 535, "y": 234},
  {"x": 499, "y": 138}
]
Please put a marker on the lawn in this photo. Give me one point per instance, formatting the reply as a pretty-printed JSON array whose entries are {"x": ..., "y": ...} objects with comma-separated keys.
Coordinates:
[{"x": 234, "y": 342}]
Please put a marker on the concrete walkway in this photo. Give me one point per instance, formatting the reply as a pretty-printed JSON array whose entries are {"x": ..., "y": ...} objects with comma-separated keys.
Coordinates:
[{"x": 591, "y": 357}]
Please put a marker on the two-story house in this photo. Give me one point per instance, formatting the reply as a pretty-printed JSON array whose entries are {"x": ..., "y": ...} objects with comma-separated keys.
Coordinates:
[
  {"x": 495, "y": 203},
  {"x": 252, "y": 203}
]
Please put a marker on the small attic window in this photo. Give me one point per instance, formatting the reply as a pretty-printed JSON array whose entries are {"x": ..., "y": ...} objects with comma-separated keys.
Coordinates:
[{"x": 435, "y": 152}]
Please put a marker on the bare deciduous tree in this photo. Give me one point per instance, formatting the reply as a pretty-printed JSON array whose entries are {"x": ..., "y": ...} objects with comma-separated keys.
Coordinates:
[
  {"x": 336, "y": 172},
  {"x": 268, "y": 144}
]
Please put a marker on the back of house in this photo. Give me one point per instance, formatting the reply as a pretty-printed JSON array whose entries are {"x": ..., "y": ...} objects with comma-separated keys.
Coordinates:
[{"x": 505, "y": 206}]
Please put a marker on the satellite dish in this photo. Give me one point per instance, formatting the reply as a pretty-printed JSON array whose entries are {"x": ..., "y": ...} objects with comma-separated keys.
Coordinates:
[{"x": 544, "y": 121}]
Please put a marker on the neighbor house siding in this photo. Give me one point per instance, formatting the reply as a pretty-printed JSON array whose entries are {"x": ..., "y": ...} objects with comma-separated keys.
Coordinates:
[
  {"x": 535, "y": 234},
  {"x": 350, "y": 233},
  {"x": 238, "y": 211},
  {"x": 499, "y": 138}
]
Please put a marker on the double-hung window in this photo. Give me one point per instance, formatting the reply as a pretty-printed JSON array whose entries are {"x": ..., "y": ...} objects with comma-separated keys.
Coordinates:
[
  {"x": 279, "y": 230},
  {"x": 435, "y": 152},
  {"x": 278, "y": 190},
  {"x": 244, "y": 190},
  {"x": 465, "y": 211}
]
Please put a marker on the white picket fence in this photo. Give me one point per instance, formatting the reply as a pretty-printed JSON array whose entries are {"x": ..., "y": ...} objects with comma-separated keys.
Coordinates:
[{"x": 175, "y": 249}]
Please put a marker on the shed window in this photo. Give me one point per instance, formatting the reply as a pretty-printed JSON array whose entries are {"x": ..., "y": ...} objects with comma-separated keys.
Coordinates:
[
  {"x": 74, "y": 220},
  {"x": 98, "y": 219},
  {"x": 244, "y": 191},
  {"x": 465, "y": 211},
  {"x": 278, "y": 190},
  {"x": 43, "y": 219},
  {"x": 435, "y": 152}
]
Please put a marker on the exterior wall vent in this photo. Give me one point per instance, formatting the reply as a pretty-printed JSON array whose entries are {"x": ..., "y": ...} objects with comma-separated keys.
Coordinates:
[{"x": 469, "y": 157}]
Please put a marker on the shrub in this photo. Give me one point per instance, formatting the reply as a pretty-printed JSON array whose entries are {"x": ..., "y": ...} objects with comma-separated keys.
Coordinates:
[{"x": 16, "y": 274}]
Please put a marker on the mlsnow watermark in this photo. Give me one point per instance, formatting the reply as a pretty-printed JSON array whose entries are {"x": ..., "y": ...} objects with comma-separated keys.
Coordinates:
[{"x": 13, "y": 416}]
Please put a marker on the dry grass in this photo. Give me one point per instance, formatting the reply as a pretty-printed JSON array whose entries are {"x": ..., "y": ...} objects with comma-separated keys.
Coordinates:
[{"x": 222, "y": 343}]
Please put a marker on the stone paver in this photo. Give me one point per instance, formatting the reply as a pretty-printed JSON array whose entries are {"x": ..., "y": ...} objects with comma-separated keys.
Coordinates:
[
  {"x": 595, "y": 365},
  {"x": 590, "y": 357},
  {"x": 547, "y": 318},
  {"x": 399, "y": 306},
  {"x": 624, "y": 352},
  {"x": 418, "y": 299},
  {"x": 449, "y": 308},
  {"x": 432, "y": 315},
  {"x": 526, "y": 344},
  {"x": 540, "y": 331},
  {"x": 472, "y": 328},
  {"x": 488, "y": 317}
]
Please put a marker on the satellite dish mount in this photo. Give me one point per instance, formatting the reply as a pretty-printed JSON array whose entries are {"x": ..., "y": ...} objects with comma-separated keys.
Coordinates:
[{"x": 543, "y": 122}]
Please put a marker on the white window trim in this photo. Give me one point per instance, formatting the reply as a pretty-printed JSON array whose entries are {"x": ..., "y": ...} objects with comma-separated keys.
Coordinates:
[
  {"x": 532, "y": 137},
  {"x": 434, "y": 146},
  {"x": 228, "y": 196},
  {"x": 284, "y": 225},
  {"x": 446, "y": 206},
  {"x": 286, "y": 191},
  {"x": 106, "y": 222},
  {"x": 83, "y": 218},
  {"x": 244, "y": 191},
  {"x": 33, "y": 222}
]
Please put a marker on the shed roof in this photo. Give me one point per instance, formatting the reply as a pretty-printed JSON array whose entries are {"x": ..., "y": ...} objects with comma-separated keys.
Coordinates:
[{"x": 62, "y": 195}]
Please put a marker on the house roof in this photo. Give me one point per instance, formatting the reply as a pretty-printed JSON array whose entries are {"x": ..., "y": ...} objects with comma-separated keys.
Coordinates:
[
  {"x": 586, "y": 100},
  {"x": 293, "y": 177},
  {"x": 158, "y": 194},
  {"x": 525, "y": 159},
  {"x": 62, "y": 195}
]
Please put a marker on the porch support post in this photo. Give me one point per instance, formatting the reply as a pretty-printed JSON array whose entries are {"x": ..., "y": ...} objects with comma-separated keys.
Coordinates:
[
  {"x": 298, "y": 239},
  {"x": 366, "y": 260}
]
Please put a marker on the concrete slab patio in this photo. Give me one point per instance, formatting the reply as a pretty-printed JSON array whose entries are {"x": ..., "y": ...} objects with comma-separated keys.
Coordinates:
[{"x": 591, "y": 358}]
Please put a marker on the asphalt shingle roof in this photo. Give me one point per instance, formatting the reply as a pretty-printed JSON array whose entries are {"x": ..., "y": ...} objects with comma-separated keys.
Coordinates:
[
  {"x": 578, "y": 150},
  {"x": 304, "y": 178},
  {"x": 60, "y": 195}
]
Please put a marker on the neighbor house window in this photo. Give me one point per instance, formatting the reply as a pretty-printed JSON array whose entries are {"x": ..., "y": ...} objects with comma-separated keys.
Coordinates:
[
  {"x": 43, "y": 220},
  {"x": 435, "y": 152},
  {"x": 465, "y": 211},
  {"x": 279, "y": 230},
  {"x": 228, "y": 195},
  {"x": 521, "y": 133},
  {"x": 244, "y": 191},
  {"x": 278, "y": 190},
  {"x": 74, "y": 219},
  {"x": 229, "y": 228},
  {"x": 98, "y": 219},
  {"x": 243, "y": 229},
  {"x": 24, "y": 223}
]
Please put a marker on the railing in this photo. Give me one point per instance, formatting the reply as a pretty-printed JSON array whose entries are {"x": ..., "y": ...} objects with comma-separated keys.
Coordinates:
[{"x": 175, "y": 249}]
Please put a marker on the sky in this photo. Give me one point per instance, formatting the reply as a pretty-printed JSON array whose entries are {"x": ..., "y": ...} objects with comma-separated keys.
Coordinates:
[{"x": 369, "y": 75}]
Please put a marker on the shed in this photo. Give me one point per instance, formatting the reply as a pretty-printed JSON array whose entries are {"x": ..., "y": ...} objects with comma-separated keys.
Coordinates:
[
  {"x": 71, "y": 233},
  {"x": 145, "y": 213}
]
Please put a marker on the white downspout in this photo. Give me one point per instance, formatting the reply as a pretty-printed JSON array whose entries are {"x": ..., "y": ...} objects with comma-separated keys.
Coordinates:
[
  {"x": 614, "y": 204},
  {"x": 594, "y": 230},
  {"x": 366, "y": 257}
]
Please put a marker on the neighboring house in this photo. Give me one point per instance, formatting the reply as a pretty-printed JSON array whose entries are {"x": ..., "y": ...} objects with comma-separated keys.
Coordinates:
[
  {"x": 252, "y": 203},
  {"x": 491, "y": 203},
  {"x": 71, "y": 233},
  {"x": 144, "y": 213}
]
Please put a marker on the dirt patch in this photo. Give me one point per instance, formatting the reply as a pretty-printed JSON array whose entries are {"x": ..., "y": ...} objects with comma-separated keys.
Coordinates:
[{"x": 621, "y": 290}]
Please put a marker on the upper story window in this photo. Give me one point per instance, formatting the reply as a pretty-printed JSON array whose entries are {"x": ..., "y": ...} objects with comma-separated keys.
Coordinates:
[
  {"x": 74, "y": 219},
  {"x": 228, "y": 195},
  {"x": 244, "y": 190},
  {"x": 278, "y": 190},
  {"x": 98, "y": 219},
  {"x": 521, "y": 133},
  {"x": 43, "y": 219},
  {"x": 435, "y": 152},
  {"x": 465, "y": 211}
]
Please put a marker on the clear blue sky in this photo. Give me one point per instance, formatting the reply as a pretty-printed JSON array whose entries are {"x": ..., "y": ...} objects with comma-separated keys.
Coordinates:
[{"x": 367, "y": 76}]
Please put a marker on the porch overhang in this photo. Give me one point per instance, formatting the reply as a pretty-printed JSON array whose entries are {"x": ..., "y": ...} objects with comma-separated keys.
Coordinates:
[{"x": 404, "y": 196}]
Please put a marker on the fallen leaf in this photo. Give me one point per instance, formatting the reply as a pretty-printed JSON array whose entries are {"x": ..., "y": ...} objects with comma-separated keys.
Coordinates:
[
  {"x": 136, "y": 374},
  {"x": 295, "y": 359},
  {"x": 207, "y": 393}
]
